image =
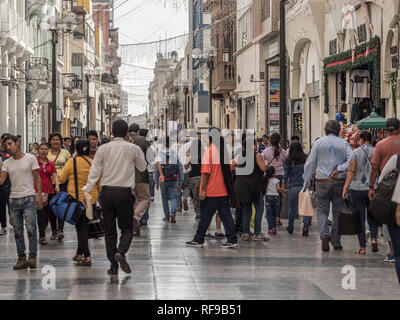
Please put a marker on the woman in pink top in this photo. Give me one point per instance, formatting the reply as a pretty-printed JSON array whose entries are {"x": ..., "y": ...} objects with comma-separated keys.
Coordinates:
[{"x": 275, "y": 156}]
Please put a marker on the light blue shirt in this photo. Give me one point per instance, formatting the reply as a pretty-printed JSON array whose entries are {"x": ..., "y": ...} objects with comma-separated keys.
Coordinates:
[
  {"x": 328, "y": 154},
  {"x": 362, "y": 156}
]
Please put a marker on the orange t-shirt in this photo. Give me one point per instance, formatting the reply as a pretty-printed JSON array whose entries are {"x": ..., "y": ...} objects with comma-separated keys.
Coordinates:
[
  {"x": 384, "y": 150},
  {"x": 211, "y": 164}
]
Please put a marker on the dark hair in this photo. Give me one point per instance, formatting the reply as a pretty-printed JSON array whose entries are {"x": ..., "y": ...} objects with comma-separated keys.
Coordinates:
[
  {"x": 73, "y": 145},
  {"x": 275, "y": 141},
  {"x": 332, "y": 126},
  {"x": 392, "y": 124},
  {"x": 134, "y": 127},
  {"x": 4, "y": 135},
  {"x": 55, "y": 134},
  {"x": 366, "y": 136},
  {"x": 259, "y": 140},
  {"x": 267, "y": 176},
  {"x": 296, "y": 154},
  {"x": 36, "y": 143},
  {"x": 19, "y": 136},
  {"x": 296, "y": 138},
  {"x": 11, "y": 137},
  {"x": 104, "y": 140},
  {"x": 43, "y": 144},
  {"x": 92, "y": 133},
  {"x": 374, "y": 142},
  {"x": 120, "y": 128},
  {"x": 67, "y": 138},
  {"x": 143, "y": 132},
  {"x": 245, "y": 137},
  {"x": 82, "y": 147}
]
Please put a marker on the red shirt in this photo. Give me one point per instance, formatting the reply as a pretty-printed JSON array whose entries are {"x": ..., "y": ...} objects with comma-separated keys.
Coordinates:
[
  {"x": 211, "y": 164},
  {"x": 46, "y": 172},
  {"x": 384, "y": 150}
]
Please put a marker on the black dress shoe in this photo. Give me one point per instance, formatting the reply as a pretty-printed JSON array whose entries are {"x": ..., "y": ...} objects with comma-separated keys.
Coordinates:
[
  {"x": 305, "y": 233},
  {"x": 120, "y": 258},
  {"x": 290, "y": 230},
  {"x": 113, "y": 270},
  {"x": 338, "y": 248}
]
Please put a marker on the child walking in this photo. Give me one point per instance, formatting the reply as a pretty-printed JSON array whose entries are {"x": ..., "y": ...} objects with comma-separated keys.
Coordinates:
[{"x": 272, "y": 199}]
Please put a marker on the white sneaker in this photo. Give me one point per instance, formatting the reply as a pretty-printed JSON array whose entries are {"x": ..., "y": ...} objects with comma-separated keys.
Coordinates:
[{"x": 3, "y": 232}]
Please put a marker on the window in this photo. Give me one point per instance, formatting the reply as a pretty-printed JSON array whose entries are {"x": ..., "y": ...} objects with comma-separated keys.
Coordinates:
[
  {"x": 362, "y": 33},
  {"x": 244, "y": 29},
  {"x": 332, "y": 47}
]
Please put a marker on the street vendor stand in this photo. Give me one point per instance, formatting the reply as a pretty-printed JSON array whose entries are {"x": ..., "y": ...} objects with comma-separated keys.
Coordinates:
[{"x": 375, "y": 124}]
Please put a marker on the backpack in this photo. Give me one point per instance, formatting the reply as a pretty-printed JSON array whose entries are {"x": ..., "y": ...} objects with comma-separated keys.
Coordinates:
[
  {"x": 170, "y": 170},
  {"x": 381, "y": 208}
]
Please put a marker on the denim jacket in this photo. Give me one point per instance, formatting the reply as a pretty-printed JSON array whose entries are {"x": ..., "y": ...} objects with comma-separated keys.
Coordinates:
[
  {"x": 162, "y": 159},
  {"x": 293, "y": 173}
]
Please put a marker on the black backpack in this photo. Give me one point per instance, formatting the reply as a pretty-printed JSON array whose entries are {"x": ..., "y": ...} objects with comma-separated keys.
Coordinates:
[
  {"x": 170, "y": 170},
  {"x": 381, "y": 208}
]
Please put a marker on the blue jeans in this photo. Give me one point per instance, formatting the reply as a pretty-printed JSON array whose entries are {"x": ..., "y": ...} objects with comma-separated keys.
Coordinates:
[
  {"x": 247, "y": 213},
  {"x": 208, "y": 207},
  {"x": 293, "y": 195},
  {"x": 151, "y": 184},
  {"x": 23, "y": 210},
  {"x": 361, "y": 201},
  {"x": 169, "y": 190},
  {"x": 272, "y": 207},
  {"x": 395, "y": 236}
]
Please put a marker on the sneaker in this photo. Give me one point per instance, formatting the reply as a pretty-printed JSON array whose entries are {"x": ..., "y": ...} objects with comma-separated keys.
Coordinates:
[
  {"x": 53, "y": 236},
  {"x": 208, "y": 235},
  {"x": 245, "y": 237},
  {"x": 230, "y": 245},
  {"x": 173, "y": 220},
  {"x": 194, "y": 244},
  {"x": 21, "y": 263},
  {"x": 120, "y": 258},
  {"x": 389, "y": 258},
  {"x": 3, "y": 232},
  {"x": 325, "y": 242},
  {"x": 31, "y": 262},
  {"x": 60, "y": 236},
  {"x": 185, "y": 205},
  {"x": 219, "y": 235},
  {"x": 260, "y": 237}
]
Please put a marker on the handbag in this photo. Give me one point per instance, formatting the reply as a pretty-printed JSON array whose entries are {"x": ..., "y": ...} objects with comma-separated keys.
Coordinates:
[
  {"x": 381, "y": 208},
  {"x": 96, "y": 225},
  {"x": 305, "y": 206},
  {"x": 66, "y": 207},
  {"x": 349, "y": 219}
]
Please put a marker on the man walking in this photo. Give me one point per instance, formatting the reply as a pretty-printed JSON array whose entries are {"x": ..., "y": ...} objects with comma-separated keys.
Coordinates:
[
  {"x": 141, "y": 192},
  {"x": 93, "y": 138},
  {"x": 115, "y": 162},
  {"x": 23, "y": 170},
  {"x": 330, "y": 157}
]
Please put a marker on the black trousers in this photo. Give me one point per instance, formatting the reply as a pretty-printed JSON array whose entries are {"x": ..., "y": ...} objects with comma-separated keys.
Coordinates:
[
  {"x": 117, "y": 205},
  {"x": 56, "y": 224},
  {"x": 42, "y": 218},
  {"x": 83, "y": 238},
  {"x": 4, "y": 195}
]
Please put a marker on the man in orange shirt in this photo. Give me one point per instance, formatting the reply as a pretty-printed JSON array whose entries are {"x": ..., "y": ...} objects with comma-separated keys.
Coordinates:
[{"x": 216, "y": 191}]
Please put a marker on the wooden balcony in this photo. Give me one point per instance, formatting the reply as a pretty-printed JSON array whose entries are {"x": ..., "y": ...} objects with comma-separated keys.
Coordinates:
[{"x": 224, "y": 77}]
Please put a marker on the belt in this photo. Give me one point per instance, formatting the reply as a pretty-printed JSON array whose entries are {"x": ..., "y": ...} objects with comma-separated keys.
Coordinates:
[
  {"x": 116, "y": 188},
  {"x": 331, "y": 180}
]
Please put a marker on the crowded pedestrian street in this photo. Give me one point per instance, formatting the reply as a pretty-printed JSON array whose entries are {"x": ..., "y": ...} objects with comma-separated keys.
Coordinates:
[{"x": 288, "y": 266}]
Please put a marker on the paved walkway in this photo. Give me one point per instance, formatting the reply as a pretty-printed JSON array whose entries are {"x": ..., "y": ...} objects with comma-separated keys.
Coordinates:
[{"x": 287, "y": 267}]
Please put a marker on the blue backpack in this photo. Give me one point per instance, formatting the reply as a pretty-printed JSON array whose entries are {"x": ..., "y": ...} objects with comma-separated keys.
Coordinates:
[
  {"x": 67, "y": 208},
  {"x": 170, "y": 170}
]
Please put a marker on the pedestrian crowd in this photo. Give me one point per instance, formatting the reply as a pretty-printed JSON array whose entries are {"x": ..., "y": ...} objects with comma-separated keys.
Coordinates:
[{"x": 236, "y": 178}]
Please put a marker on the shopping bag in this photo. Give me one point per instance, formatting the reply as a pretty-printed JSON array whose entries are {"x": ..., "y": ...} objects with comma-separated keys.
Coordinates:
[
  {"x": 253, "y": 213},
  {"x": 305, "y": 204},
  {"x": 96, "y": 225},
  {"x": 349, "y": 219}
]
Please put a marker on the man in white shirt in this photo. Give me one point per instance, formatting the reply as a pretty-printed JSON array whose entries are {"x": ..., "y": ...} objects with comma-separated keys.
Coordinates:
[
  {"x": 182, "y": 149},
  {"x": 23, "y": 170},
  {"x": 115, "y": 163}
]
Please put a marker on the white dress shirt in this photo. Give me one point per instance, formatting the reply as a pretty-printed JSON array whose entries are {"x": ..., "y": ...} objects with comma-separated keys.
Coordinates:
[{"x": 115, "y": 162}]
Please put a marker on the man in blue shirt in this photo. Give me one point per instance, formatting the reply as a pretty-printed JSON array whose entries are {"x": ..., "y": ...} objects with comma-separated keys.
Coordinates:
[
  {"x": 329, "y": 158},
  {"x": 262, "y": 146}
]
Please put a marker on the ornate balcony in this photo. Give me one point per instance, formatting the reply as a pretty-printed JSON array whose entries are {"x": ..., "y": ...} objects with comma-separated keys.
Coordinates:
[{"x": 224, "y": 77}]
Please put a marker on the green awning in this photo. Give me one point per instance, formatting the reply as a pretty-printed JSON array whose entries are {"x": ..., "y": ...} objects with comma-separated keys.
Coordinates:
[{"x": 374, "y": 121}]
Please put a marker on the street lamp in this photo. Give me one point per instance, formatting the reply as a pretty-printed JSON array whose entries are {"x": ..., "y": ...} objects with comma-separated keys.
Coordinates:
[
  {"x": 65, "y": 25},
  {"x": 208, "y": 55}
]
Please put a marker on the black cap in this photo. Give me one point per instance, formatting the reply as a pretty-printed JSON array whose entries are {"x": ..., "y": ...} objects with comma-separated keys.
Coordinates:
[
  {"x": 392, "y": 124},
  {"x": 134, "y": 127}
]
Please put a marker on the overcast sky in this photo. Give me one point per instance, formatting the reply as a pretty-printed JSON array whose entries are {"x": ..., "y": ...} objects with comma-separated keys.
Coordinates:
[{"x": 146, "y": 21}]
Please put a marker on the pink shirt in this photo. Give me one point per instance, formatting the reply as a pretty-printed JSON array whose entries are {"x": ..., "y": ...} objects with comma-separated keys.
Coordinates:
[{"x": 277, "y": 163}]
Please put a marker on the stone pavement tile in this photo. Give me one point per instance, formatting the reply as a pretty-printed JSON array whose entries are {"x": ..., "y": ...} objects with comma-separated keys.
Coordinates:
[
  {"x": 181, "y": 291},
  {"x": 113, "y": 291}
]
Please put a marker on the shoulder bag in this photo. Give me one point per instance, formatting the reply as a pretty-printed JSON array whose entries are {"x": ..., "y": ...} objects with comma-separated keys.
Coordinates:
[{"x": 66, "y": 207}]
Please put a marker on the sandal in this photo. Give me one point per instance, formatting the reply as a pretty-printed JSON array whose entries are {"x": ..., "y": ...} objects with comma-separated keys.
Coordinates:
[
  {"x": 77, "y": 258},
  {"x": 374, "y": 245},
  {"x": 86, "y": 262},
  {"x": 362, "y": 251}
]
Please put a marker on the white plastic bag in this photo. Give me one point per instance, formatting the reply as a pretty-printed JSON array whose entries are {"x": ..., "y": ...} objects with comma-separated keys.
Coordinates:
[{"x": 305, "y": 204}]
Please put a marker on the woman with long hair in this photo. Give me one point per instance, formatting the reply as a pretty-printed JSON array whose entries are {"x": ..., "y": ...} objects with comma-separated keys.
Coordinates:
[
  {"x": 275, "y": 156},
  {"x": 83, "y": 164},
  {"x": 248, "y": 187},
  {"x": 293, "y": 181},
  {"x": 72, "y": 147},
  {"x": 60, "y": 157}
]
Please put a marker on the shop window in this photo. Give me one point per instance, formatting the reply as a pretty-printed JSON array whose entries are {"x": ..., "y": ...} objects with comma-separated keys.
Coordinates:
[{"x": 362, "y": 33}]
